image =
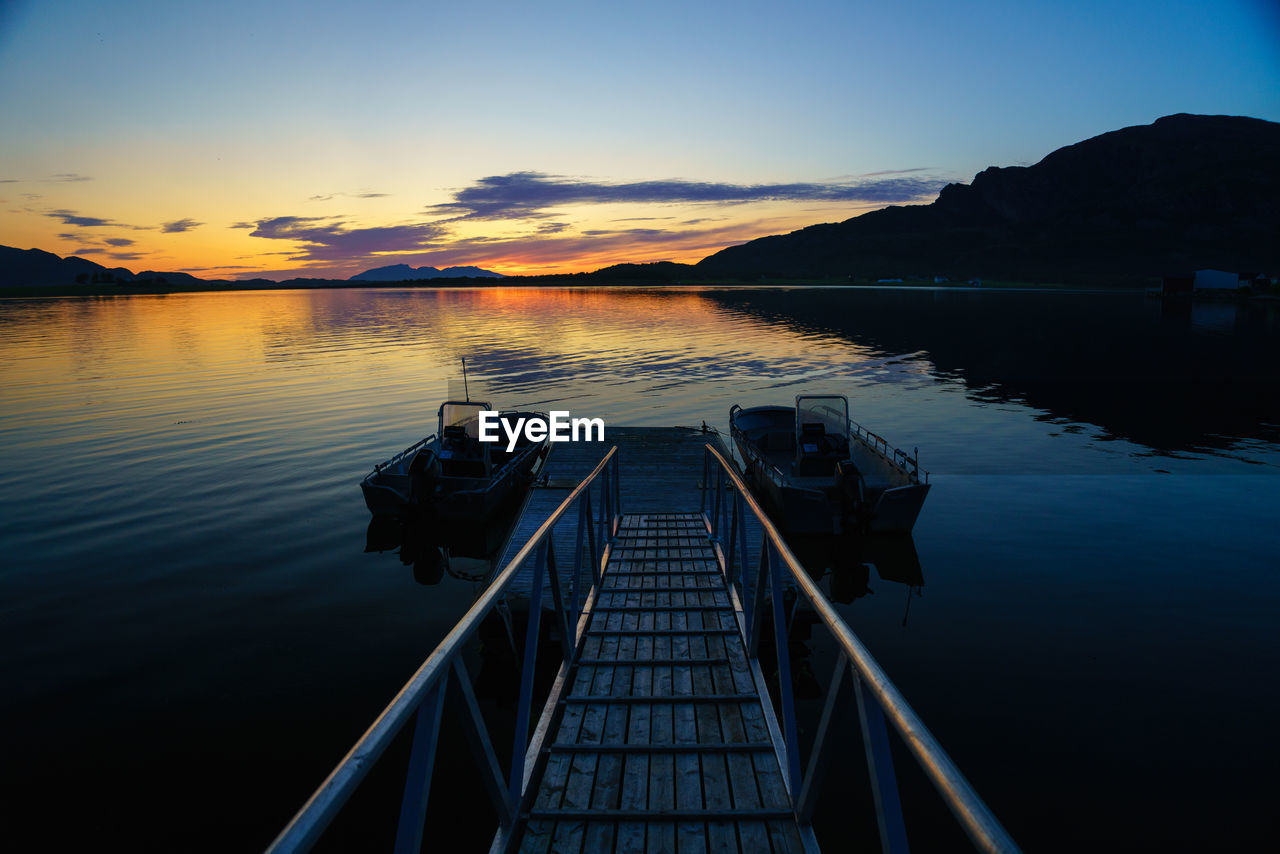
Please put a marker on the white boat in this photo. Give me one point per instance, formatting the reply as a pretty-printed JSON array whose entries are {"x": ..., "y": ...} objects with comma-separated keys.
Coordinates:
[
  {"x": 819, "y": 472},
  {"x": 452, "y": 473}
]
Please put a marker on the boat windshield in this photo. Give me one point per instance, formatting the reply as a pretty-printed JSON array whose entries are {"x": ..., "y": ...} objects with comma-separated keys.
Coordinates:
[
  {"x": 464, "y": 414},
  {"x": 831, "y": 411}
]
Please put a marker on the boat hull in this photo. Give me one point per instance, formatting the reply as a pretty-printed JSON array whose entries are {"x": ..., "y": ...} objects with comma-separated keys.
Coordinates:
[
  {"x": 397, "y": 493},
  {"x": 889, "y": 501}
]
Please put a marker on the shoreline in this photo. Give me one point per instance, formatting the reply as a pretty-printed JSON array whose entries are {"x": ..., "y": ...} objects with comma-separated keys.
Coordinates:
[{"x": 128, "y": 289}]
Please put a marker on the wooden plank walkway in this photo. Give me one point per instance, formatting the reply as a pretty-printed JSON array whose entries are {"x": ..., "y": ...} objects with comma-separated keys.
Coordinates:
[
  {"x": 661, "y": 469},
  {"x": 661, "y": 742}
]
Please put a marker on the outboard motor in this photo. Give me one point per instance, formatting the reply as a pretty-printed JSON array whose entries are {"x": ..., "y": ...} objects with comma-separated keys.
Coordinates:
[
  {"x": 849, "y": 482},
  {"x": 853, "y": 496},
  {"x": 423, "y": 473}
]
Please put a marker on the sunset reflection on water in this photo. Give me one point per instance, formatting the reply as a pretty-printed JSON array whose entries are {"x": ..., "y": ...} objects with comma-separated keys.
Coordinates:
[{"x": 179, "y": 495}]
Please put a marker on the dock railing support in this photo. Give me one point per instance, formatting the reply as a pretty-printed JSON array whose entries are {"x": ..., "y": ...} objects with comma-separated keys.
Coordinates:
[
  {"x": 442, "y": 683},
  {"x": 880, "y": 704}
]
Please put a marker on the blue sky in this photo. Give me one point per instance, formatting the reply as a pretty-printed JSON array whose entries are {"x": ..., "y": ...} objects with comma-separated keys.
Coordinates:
[{"x": 328, "y": 138}]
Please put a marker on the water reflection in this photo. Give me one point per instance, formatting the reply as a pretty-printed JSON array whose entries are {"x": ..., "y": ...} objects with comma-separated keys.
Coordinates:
[
  {"x": 180, "y": 514},
  {"x": 846, "y": 563},
  {"x": 465, "y": 549},
  {"x": 1172, "y": 376}
]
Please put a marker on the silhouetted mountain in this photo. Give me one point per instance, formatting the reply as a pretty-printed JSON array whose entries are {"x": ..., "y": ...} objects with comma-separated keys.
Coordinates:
[
  {"x": 657, "y": 271},
  {"x": 1183, "y": 193},
  {"x": 37, "y": 268},
  {"x": 405, "y": 273},
  {"x": 184, "y": 279}
]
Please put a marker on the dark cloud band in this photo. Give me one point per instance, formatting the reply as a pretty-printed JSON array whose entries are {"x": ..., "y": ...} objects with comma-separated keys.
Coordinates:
[
  {"x": 529, "y": 195},
  {"x": 72, "y": 218},
  {"x": 333, "y": 241}
]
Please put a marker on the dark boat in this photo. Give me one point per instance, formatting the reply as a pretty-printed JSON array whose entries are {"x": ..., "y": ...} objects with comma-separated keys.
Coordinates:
[
  {"x": 819, "y": 472},
  {"x": 451, "y": 473}
]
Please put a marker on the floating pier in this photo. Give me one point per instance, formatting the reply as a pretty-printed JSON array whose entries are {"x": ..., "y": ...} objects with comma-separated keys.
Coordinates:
[
  {"x": 663, "y": 742},
  {"x": 662, "y": 469},
  {"x": 658, "y": 570}
]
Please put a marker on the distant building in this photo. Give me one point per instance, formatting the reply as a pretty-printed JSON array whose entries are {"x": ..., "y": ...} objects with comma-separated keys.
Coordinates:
[
  {"x": 940, "y": 280},
  {"x": 1216, "y": 280}
]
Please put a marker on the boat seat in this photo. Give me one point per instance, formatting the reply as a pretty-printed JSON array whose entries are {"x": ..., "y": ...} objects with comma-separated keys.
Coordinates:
[
  {"x": 778, "y": 440},
  {"x": 465, "y": 468},
  {"x": 814, "y": 466}
]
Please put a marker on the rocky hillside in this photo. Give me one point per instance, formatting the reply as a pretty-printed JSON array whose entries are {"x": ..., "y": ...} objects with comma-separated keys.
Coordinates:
[{"x": 1182, "y": 193}]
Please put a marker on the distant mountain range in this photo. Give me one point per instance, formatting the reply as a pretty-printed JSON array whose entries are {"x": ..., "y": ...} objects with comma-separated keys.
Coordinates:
[
  {"x": 37, "y": 268},
  {"x": 1183, "y": 193},
  {"x": 405, "y": 273}
]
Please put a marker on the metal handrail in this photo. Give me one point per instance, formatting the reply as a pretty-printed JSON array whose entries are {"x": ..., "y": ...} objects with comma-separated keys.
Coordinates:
[
  {"x": 896, "y": 455},
  {"x": 425, "y": 691},
  {"x": 402, "y": 454},
  {"x": 973, "y": 814}
]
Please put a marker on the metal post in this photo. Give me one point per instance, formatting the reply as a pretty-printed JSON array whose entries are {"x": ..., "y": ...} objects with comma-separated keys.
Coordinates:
[
  {"x": 464, "y": 700},
  {"x": 516, "y": 780},
  {"x": 732, "y": 540},
  {"x": 757, "y": 596},
  {"x": 820, "y": 755},
  {"x": 604, "y": 504},
  {"x": 785, "y": 694},
  {"x": 417, "y": 784},
  {"x": 577, "y": 561},
  {"x": 617, "y": 496},
  {"x": 557, "y": 599},
  {"x": 591, "y": 538},
  {"x": 706, "y": 470},
  {"x": 724, "y": 508},
  {"x": 884, "y": 784},
  {"x": 743, "y": 560},
  {"x": 715, "y": 507}
]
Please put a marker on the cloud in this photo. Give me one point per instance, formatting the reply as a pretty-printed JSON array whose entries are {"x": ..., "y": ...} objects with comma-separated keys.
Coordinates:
[
  {"x": 324, "y": 197},
  {"x": 333, "y": 241},
  {"x": 118, "y": 241},
  {"x": 88, "y": 250},
  {"x": 126, "y": 256},
  {"x": 893, "y": 172},
  {"x": 601, "y": 248},
  {"x": 249, "y": 225},
  {"x": 72, "y": 218},
  {"x": 180, "y": 225},
  {"x": 60, "y": 178},
  {"x": 528, "y": 195}
]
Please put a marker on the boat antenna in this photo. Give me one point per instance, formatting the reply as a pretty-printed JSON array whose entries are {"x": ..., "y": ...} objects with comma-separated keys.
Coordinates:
[{"x": 464, "y": 379}]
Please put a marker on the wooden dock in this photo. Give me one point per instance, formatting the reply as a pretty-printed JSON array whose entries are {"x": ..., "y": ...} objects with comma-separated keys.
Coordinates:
[
  {"x": 662, "y": 742},
  {"x": 659, "y": 733},
  {"x": 661, "y": 471}
]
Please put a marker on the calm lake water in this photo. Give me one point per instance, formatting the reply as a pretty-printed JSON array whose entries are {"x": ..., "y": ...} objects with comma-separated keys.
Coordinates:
[{"x": 192, "y": 633}]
